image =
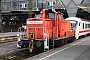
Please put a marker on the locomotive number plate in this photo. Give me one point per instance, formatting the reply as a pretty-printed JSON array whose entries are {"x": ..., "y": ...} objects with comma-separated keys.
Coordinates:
[{"x": 34, "y": 22}]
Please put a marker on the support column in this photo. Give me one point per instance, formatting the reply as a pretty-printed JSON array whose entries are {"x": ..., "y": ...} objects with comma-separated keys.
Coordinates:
[
  {"x": 0, "y": 18},
  {"x": 30, "y": 8}
]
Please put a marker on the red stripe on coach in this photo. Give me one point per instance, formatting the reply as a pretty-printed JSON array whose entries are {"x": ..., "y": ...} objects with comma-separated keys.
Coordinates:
[{"x": 84, "y": 31}]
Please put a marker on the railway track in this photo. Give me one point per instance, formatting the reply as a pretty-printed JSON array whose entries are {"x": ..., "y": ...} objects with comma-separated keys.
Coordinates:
[
  {"x": 8, "y": 39},
  {"x": 17, "y": 55},
  {"x": 9, "y": 51}
]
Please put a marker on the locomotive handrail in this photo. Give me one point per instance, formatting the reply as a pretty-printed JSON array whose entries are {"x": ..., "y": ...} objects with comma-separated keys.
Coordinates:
[
  {"x": 47, "y": 31},
  {"x": 47, "y": 39}
]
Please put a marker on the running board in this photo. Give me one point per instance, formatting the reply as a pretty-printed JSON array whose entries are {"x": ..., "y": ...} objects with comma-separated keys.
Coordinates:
[{"x": 62, "y": 37}]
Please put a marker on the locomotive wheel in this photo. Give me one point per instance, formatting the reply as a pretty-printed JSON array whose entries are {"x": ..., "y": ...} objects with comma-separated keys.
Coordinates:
[{"x": 39, "y": 47}]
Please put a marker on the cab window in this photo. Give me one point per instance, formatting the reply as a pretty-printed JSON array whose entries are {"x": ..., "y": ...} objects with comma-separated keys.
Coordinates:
[
  {"x": 38, "y": 15},
  {"x": 50, "y": 15},
  {"x": 61, "y": 17}
]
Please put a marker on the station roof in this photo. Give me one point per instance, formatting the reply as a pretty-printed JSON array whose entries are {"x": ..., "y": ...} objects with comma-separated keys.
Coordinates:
[{"x": 85, "y": 5}]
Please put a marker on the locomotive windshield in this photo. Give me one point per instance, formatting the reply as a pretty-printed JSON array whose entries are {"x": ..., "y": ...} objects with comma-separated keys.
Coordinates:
[
  {"x": 38, "y": 15},
  {"x": 50, "y": 15},
  {"x": 45, "y": 14}
]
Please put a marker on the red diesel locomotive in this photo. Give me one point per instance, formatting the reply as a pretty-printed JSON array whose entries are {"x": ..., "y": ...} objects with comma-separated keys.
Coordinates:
[{"x": 45, "y": 31}]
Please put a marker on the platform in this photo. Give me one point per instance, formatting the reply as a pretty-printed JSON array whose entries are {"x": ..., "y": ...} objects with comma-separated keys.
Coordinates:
[
  {"x": 9, "y": 36},
  {"x": 78, "y": 50}
]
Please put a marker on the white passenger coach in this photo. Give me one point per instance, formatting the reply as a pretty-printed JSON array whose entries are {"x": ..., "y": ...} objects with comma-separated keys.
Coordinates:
[{"x": 81, "y": 26}]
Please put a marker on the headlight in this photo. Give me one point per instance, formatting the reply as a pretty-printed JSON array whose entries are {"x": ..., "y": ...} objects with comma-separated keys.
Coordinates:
[{"x": 18, "y": 35}]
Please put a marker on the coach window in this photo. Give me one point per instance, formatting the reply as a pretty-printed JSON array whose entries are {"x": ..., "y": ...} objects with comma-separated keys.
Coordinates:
[
  {"x": 79, "y": 24},
  {"x": 86, "y": 26},
  {"x": 89, "y": 25},
  {"x": 83, "y": 25}
]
